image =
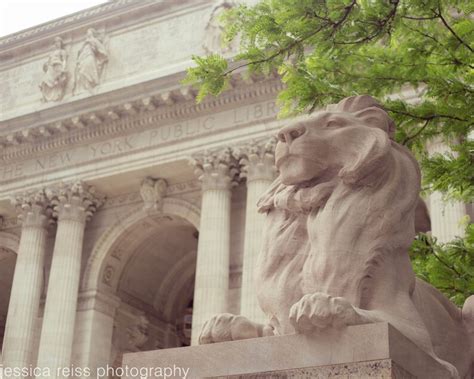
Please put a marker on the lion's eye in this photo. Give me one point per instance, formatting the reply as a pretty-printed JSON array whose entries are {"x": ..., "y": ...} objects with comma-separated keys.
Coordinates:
[
  {"x": 296, "y": 133},
  {"x": 332, "y": 124}
]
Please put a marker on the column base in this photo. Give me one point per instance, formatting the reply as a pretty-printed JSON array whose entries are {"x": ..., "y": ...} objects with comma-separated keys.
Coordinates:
[{"x": 372, "y": 350}]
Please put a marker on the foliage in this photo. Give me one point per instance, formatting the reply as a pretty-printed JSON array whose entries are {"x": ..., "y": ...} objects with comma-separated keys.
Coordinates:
[
  {"x": 450, "y": 266},
  {"x": 325, "y": 50}
]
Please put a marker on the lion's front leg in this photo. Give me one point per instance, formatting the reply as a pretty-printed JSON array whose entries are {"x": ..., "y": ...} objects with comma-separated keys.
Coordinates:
[
  {"x": 228, "y": 327},
  {"x": 320, "y": 311}
]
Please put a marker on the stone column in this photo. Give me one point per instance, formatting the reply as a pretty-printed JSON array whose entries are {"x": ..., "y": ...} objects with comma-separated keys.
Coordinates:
[
  {"x": 216, "y": 172},
  {"x": 258, "y": 165},
  {"x": 18, "y": 345},
  {"x": 73, "y": 205},
  {"x": 445, "y": 216}
]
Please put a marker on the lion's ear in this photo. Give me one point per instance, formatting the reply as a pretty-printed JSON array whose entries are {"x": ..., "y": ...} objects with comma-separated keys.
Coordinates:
[
  {"x": 375, "y": 118},
  {"x": 372, "y": 148}
]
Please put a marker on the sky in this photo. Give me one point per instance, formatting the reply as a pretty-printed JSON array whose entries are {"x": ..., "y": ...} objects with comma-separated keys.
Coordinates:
[{"x": 16, "y": 15}]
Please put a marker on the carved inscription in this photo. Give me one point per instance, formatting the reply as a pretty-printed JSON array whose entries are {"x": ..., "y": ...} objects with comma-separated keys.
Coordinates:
[
  {"x": 112, "y": 147},
  {"x": 52, "y": 161},
  {"x": 162, "y": 135}
]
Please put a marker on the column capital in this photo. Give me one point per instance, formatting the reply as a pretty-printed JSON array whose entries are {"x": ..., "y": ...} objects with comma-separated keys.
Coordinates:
[
  {"x": 33, "y": 209},
  {"x": 74, "y": 201},
  {"x": 216, "y": 169},
  {"x": 258, "y": 160}
]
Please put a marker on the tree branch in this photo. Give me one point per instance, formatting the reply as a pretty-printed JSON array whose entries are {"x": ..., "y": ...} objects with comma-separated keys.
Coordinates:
[
  {"x": 445, "y": 23},
  {"x": 424, "y": 117},
  {"x": 419, "y": 131}
]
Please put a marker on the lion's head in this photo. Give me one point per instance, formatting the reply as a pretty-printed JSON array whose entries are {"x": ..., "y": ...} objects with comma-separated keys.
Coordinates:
[
  {"x": 347, "y": 139},
  {"x": 349, "y": 144}
]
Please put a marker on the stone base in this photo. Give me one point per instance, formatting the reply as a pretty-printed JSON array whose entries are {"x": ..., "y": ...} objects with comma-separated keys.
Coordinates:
[{"x": 362, "y": 351}]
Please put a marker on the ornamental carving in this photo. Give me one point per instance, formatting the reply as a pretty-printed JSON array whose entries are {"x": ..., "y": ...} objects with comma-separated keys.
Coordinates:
[
  {"x": 213, "y": 42},
  {"x": 55, "y": 78},
  {"x": 74, "y": 201},
  {"x": 258, "y": 160},
  {"x": 217, "y": 169},
  {"x": 153, "y": 192},
  {"x": 91, "y": 62},
  {"x": 339, "y": 221},
  {"x": 33, "y": 208}
]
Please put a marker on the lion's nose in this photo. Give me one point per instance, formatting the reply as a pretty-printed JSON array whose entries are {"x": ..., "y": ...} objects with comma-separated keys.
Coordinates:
[{"x": 289, "y": 134}]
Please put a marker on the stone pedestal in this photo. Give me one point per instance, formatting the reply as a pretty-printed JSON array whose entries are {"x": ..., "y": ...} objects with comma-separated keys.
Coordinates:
[{"x": 371, "y": 350}]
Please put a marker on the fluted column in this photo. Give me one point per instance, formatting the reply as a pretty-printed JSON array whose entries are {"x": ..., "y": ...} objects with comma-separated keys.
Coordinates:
[
  {"x": 216, "y": 172},
  {"x": 34, "y": 214},
  {"x": 73, "y": 205},
  {"x": 258, "y": 165},
  {"x": 446, "y": 216}
]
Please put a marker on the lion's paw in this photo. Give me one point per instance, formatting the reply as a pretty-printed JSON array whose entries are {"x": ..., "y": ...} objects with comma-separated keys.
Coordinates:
[
  {"x": 227, "y": 327},
  {"x": 320, "y": 311}
]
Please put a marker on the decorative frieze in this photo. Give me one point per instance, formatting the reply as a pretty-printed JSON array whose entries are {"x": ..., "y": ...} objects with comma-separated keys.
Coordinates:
[
  {"x": 217, "y": 169},
  {"x": 117, "y": 119}
]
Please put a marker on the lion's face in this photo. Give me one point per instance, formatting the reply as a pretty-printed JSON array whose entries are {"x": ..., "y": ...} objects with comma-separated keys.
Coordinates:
[{"x": 317, "y": 148}]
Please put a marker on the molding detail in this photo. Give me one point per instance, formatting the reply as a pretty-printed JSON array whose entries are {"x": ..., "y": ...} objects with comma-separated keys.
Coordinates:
[
  {"x": 74, "y": 201},
  {"x": 217, "y": 169},
  {"x": 150, "y": 110},
  {"x": 94, "y": 11}
]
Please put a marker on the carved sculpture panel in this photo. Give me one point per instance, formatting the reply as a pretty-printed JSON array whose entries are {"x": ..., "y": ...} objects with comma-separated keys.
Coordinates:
[
  {"x": 55, "y": 77},
  {"x": 91, "y": 61},
  {"x": 213, "y": 39},
  {"x": 339, "y": 221},
  {"x": 153, "y": 192}
]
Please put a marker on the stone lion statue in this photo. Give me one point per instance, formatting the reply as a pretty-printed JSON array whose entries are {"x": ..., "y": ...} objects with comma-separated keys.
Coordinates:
[{"x": 340, "y": 219}]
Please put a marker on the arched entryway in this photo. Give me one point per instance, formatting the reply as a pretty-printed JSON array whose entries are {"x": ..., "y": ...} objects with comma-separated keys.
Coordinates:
[
  {"x": 146, "y": 263},
  {"x": 8, "y": 250}
]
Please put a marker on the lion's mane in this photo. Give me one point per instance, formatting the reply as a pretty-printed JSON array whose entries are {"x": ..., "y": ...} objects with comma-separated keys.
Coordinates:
[{"x": 357, "y": 218}]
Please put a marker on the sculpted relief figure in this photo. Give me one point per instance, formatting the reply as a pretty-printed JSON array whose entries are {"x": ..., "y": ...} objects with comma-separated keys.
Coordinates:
[
  {"x": 213, "y": 39},
  {"x": 90, "y": 64},
  {"x": 54, "y": 81},
  {"x": 152, "y": 192},
  {"x": 339, "y": 221}
]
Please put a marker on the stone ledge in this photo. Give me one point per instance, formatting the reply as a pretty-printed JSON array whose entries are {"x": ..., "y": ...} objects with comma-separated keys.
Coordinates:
[{"x": 371, "y": 350}]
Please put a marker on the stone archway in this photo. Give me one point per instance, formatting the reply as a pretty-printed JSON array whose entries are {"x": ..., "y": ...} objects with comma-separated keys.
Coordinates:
[
  {"x": 9, "y": 244},
  {"x": 121, "y": 271},
  {"x": 96, "y": 264}
]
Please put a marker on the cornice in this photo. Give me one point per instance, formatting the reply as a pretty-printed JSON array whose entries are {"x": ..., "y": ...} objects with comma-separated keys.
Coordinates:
[
  {"x": 141, "y": 113},
  {"x": 109, "y": 8},
  {"x": 113, "y": 15}
]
